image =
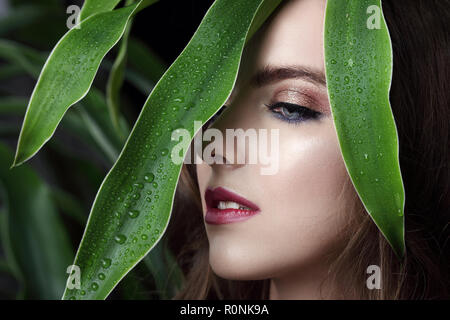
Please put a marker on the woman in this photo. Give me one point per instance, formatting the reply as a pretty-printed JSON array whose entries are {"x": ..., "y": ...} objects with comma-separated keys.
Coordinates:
[{"x": 309, "y": 236}]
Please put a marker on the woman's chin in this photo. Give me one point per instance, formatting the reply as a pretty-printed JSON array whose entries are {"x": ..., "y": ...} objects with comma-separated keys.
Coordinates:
[
  {"x": 235, "y": 264},
  {"x": 235, "y": 272}
]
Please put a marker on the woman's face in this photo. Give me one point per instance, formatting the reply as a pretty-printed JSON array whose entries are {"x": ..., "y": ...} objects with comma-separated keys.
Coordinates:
[{"x": 299, "y": 219}]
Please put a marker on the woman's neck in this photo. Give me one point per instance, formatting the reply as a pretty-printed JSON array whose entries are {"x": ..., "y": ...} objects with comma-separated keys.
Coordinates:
[{"x": 301, "y": 285}]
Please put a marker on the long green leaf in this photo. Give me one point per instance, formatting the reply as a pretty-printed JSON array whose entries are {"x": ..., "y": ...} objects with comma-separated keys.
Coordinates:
[
  {"x": 147, "y": 68},
  {"x": 89, "y": 123},
  {"x": 99, "y": 136},
  {"x": 67, "y": 204},
  {"x": 166, "y": 273},
  {"x": 143, "y": 59},
  {"x": 118, "y": 73},
  {"x": 20, "y": 57},
  {"x": 132, "y": 208},
  {"x": 116, "y": 78},
  {"x": 67, "y": 76},
  {"x": 358, "y": 54},
  {"x": 91, "y": 7},
  {"x": 37, "y": 241},
  {"x": 91, "y": 118}
]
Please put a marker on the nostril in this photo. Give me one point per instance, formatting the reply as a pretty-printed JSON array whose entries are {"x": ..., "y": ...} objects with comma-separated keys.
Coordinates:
[{"x": 217, "y": 159}]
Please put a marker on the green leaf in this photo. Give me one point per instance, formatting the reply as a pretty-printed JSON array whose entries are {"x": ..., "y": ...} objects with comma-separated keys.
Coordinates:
[
  {"x": 136, "y": 79},
  {"x": 99, "y": 136},
  {"x": 146, "y": 67},
  {"x": 67, "y": 204},
  {"x": 36, "y": 241},
  {"x": 166, "y": 273},
  {"x": 91, "y": 7},
  {"x": 92, "y": 117},
  {"x": 132, "y": 208},
  {"x": 359, "y": 71},
  {"x": 96, "y": 119},
  {"x": 143, "y": 59},
  {"x": 67, "y": 76},
  {"x": 116, "y": 78},
  {"x": 117, "y": 74},
  {"x": 89, "y": 123}
]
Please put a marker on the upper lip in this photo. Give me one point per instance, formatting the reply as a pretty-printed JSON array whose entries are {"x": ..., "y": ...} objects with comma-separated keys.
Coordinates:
[{"x": 213, "y": 196}]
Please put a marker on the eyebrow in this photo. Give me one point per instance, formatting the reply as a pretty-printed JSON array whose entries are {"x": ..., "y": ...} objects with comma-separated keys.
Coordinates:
[{"x": 270, "y": 74}]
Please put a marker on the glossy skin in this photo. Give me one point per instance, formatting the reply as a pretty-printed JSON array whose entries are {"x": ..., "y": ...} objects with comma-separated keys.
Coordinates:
[{"x": 301, "y": 218}]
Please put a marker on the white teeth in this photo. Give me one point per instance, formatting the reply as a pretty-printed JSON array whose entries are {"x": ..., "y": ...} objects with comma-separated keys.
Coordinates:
[{"x": 231, "y": 205}]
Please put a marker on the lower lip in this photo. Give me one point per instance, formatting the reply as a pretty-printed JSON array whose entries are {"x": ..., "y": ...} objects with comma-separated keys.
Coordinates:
[{"x": 223, "y": 216}]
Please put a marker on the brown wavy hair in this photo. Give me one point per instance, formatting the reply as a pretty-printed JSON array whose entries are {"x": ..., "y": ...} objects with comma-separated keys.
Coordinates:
[{"x": 420, "y": 101}]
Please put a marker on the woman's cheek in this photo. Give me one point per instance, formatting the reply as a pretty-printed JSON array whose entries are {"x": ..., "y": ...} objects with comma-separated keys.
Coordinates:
[
  {"x": 310, "y": 177},
  {"x": 306, "y": 154}
]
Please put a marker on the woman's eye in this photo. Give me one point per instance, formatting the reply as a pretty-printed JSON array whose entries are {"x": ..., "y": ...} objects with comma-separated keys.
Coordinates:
[{"x": 292, "y": 112}]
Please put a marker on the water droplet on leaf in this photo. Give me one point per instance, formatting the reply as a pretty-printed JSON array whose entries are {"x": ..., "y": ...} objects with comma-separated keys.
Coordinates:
[
  {"x": 106, "y": 263},
  {"x": 133, "y": 214},
  {"x": 120, "y": 239}
]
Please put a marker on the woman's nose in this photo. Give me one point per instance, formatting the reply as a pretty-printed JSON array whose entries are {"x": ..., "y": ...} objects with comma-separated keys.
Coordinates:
[
  {"x": 224, "y": 158},
  {"x": 224, "y": 142},
  {"x": 222, "y": 151}
]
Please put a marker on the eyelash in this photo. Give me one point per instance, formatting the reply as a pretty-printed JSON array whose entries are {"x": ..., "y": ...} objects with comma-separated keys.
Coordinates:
[{"x": 304, "y": 113}]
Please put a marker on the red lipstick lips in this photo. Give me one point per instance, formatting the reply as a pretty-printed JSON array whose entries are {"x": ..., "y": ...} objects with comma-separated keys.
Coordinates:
[{"x": 224, "y": 206}]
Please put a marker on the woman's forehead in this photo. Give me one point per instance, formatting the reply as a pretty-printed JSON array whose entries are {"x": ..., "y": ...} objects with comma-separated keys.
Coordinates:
[{"x": 293, "y": 37}]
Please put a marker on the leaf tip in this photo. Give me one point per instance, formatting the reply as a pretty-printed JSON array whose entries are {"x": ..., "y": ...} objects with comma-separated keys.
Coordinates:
[
  {"x": 19, "y": 159},
  {"x": 400, "y": 251},
  {"x": 15, "y": 164},
  {"x": 398, "y": 245}
]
